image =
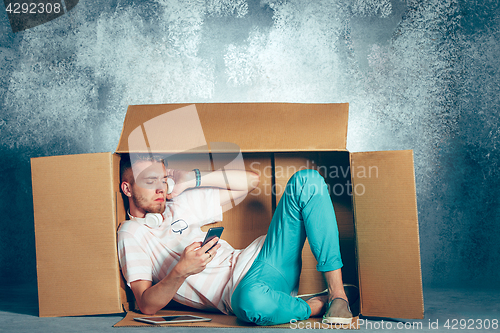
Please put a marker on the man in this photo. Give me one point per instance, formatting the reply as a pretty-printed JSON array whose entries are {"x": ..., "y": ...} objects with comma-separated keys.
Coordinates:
[{"x": 162, "y": 259}]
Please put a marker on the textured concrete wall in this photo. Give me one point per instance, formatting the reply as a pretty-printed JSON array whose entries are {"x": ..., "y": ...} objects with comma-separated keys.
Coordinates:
[{"x": 419, "y": 75}]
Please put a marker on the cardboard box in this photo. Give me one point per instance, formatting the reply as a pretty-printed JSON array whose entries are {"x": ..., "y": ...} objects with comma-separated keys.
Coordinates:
[{"x": 78, "y": 205}]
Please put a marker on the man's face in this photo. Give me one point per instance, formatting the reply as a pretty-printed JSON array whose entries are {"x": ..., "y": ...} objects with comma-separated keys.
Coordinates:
[{"x": 149, "y": 187}]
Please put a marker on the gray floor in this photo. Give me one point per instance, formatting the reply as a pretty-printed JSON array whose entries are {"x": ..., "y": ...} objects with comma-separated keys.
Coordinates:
[{"x": 19, "y": 313}]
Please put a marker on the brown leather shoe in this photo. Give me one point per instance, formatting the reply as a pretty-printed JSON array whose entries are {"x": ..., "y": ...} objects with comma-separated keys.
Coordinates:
[{"x": 337, "y": 312}]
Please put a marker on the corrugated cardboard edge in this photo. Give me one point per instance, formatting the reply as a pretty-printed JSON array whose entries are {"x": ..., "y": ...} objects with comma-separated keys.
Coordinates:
[
  {"x": 56, "y": 224},
  {"x": 374, "y": 301},
  {"x": 259, "y": 127}
]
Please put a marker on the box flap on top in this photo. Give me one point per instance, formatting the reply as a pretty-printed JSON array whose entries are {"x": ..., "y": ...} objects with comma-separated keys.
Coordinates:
[
  {"x": 254, "y": 127},
  {"x": 387, "y": 238},
  {"x": 75, "y": 233}
]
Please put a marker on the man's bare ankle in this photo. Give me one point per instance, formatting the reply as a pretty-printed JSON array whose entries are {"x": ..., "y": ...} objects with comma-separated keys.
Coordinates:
[
  {"x": 342, "y": 295},
  {"x": 317, "y": 305}
]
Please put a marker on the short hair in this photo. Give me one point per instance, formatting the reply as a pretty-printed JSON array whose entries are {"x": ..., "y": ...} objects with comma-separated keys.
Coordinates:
[{"x": 126, "y": 162}]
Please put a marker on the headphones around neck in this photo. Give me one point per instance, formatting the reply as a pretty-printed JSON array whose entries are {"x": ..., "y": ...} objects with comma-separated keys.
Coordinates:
[{"x": 153, "y": 220}]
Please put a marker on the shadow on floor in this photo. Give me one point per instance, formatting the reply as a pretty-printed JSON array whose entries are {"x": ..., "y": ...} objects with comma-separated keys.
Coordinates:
[{"x": 21, "y": 299}]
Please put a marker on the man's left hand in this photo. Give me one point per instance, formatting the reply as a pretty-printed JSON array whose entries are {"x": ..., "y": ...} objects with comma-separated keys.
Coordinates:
[{"x": 183, "y": 180}]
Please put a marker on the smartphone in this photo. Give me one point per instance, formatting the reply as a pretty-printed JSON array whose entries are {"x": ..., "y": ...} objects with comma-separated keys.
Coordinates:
[
  {"x": 172, "y": 319},
  {"x": 212, "y": 233}
]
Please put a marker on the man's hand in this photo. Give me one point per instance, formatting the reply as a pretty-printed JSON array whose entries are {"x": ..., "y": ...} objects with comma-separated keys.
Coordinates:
[
  {"x": 194, "y": 259},
  {"x": 183, "y": 180}
]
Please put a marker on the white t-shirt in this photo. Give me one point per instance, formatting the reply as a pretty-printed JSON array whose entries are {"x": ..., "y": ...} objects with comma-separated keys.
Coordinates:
[{"x": 150, "y": 254}]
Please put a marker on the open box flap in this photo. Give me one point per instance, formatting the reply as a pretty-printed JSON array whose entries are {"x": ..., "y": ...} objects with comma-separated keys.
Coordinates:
[
  {"x": 74, "y": 201},
  {"x": 387, "y": 238},
  {"x": 254, "y": 127}
]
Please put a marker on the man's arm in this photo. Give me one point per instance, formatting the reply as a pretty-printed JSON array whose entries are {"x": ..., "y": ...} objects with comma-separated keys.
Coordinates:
[
  {"x": 238, "y": 182},
  {"x": 193, "y": 260},
  {"x": 233, "y": 183}
]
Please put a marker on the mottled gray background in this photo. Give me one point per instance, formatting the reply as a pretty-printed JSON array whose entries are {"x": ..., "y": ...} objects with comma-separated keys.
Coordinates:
[{"x": 419, "y": 75}]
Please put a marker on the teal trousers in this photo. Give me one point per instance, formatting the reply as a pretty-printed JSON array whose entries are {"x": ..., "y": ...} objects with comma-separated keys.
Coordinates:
[{"x": 263, "y": 296}]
